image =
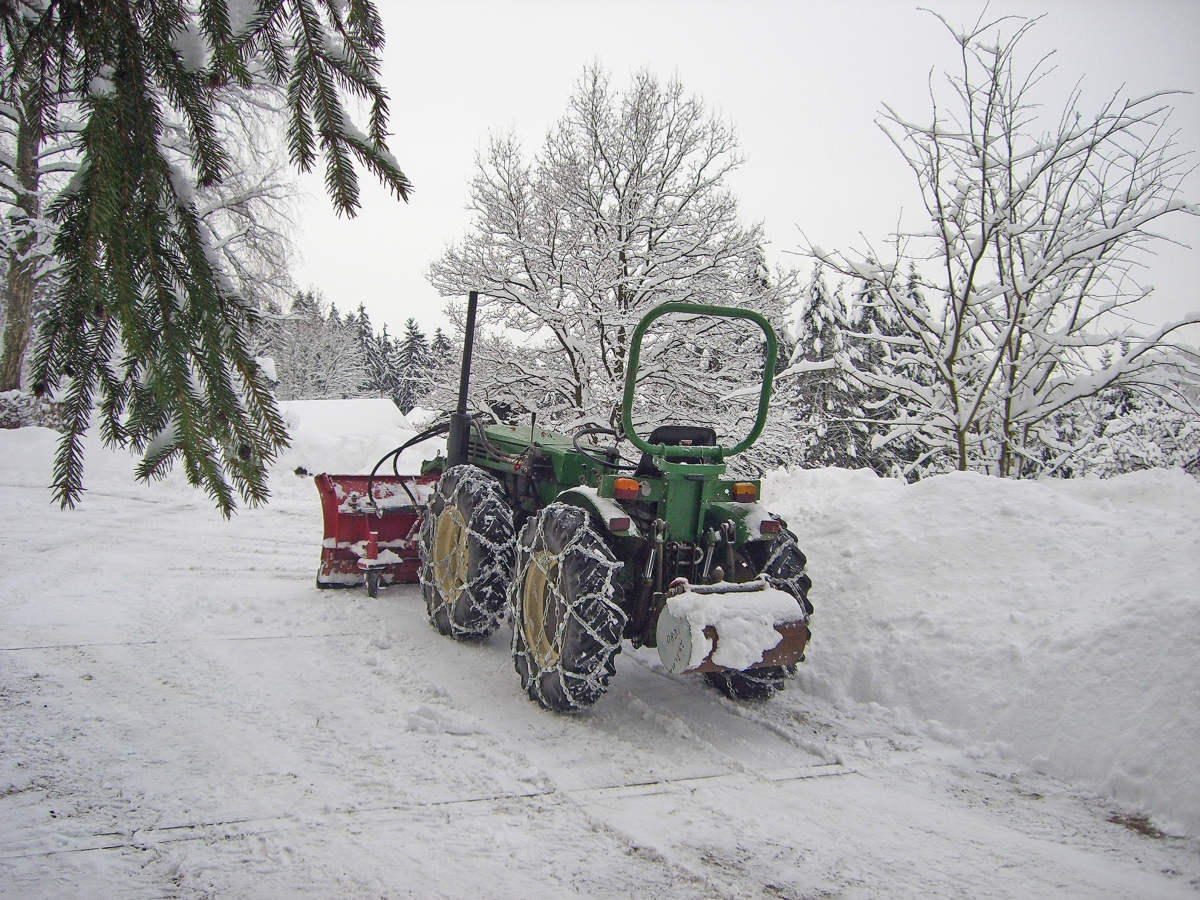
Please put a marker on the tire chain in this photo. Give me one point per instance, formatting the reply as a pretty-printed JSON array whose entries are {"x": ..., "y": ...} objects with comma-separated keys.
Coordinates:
[
  {"x": 781, "y": 570},
  {"x": 594, "y": 607},
  {"x": 490, "y": 525}
]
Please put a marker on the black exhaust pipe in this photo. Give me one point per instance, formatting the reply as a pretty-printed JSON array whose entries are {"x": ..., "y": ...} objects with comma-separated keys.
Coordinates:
[{"x": 460, "y": 424}]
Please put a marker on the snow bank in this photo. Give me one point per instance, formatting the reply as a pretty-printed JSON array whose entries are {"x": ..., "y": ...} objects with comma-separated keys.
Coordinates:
[
  {"x": 346, "y": 437},
  {"x": 1057, "y": 620},
  {"x": 321, "y": 418}
]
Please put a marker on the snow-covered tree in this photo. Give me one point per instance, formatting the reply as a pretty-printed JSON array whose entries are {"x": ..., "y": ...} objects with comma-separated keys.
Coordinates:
[
  {"x": 145, "y": 319},
  {"x": 389, "y": 382},
  {"x": 823, "y": 395},
  {"x": 247, "y": 215},
  {"x": 1119, "y": 431},
  {"x": 625, "y": 207},
  {"x": 35, "y": 158},
  {"x": 1026, "y": 273},
  {"x": 835, "y": 418},
  {"x": 373, "y": 350},
  {"x": 414, "y": 367},
  {"x": 317, "y": 357},
  {"x": 445, "y": 370},
  {"x": 440, "y": 348}
]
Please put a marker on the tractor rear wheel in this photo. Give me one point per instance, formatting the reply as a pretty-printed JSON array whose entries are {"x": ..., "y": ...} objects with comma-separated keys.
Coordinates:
[
  {"x": 467, "y": 548},
  {"x": 782, "y": 562},
  {"x": 565, "y": 609}
]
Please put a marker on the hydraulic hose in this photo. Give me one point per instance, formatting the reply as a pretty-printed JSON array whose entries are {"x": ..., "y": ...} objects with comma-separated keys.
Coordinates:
[
  {"x": 489, "y": 446},
  {"x": 619, "y": 466},
  {"x": 394, "y": 455}
]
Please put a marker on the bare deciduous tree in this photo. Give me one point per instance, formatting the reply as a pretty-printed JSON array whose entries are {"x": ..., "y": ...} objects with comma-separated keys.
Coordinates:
[
  {"x": 626, "y": 207},
  {"x": 1028, "y": 271},
  {"x": 248, "y": 215}
]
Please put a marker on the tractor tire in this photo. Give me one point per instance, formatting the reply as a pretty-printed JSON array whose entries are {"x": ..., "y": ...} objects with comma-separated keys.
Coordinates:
[
  {"x": 753, "y": 684},
  {"x": 565, "y": 608},
  {"x": 467, "y": 548},
  {"x": 782, "y": 562}
]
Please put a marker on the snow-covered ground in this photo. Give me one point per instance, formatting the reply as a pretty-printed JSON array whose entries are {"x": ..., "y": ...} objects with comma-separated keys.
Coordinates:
[{"x": 1001, "y": 699}]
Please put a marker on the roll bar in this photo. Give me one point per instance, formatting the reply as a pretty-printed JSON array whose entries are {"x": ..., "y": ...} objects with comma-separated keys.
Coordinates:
[{"x": 635, "y": 349}]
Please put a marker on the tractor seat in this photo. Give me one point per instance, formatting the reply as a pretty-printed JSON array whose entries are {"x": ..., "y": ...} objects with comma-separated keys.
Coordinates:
[{"x": 676, "y": 436}]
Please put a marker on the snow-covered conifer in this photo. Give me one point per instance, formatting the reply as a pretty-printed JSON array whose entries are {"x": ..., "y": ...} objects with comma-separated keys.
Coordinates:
[
  {"x": 372, "y": 352},
  {"x": 440, "y": 347},
  {"x": 414, "y": 367},
  {"x": 830, "y": 431},
  {"x": 146, "y": 319}
]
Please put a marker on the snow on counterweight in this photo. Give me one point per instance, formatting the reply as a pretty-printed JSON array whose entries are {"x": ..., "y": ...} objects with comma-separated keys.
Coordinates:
[{"x": 744, "y": 619}]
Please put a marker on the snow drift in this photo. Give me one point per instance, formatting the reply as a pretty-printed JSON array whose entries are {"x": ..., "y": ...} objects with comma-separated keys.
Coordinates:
[
  {"x": 344, "y": 436},
  {"x": 1057, "y": 620}
]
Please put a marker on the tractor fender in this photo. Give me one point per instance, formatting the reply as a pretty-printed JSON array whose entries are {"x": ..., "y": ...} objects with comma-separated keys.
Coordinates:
[
  {"x": 746, "y": 517},
  {"x": 603, "y": 508}
]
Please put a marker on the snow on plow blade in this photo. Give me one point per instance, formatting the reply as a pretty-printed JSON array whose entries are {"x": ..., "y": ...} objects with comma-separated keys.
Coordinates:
[
  {"x": 717, "y": 627},
  {"x": 350, "y": 518}
]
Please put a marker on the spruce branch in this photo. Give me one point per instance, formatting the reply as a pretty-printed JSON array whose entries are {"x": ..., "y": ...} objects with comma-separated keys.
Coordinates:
[{"x": 146, "y": 322}]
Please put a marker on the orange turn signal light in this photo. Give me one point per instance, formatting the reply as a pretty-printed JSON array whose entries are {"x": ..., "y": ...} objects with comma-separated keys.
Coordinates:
[
  {"x": 625, "y": 488},
  {"x": 744, "y": 491}
]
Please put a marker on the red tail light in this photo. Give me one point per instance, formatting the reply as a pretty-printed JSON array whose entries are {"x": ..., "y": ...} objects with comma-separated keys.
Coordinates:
[
  {"x": 768, "y": 526},
  {"x": 618, "y": 523}
]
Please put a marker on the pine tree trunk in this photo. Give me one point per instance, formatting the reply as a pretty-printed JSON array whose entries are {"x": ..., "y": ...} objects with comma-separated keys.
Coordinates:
[{"x": 20, "y": 282}]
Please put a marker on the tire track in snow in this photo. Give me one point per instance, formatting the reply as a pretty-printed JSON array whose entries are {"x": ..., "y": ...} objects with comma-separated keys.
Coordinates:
[
  {"x": 726, "y": 797},
  {"x": 199, "y": 722}
]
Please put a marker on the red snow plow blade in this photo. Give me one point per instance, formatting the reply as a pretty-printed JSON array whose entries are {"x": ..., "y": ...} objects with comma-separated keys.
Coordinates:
[{"x": 349, "y": 549}]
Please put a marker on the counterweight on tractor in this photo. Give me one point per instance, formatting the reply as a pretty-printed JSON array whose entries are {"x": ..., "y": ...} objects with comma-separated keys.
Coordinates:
[{"x": 583, "y": 548}]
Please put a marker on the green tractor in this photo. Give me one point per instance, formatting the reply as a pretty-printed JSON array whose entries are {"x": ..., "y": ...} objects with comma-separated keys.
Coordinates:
[{"x": 584, "y": 548}]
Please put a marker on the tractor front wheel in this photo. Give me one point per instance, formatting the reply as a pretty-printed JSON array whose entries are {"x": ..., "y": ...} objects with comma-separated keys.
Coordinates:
[
  {"x": 752, "y": 684},
  {"x": 467, "y": 548},
  {"x": 565, "y": 609}
]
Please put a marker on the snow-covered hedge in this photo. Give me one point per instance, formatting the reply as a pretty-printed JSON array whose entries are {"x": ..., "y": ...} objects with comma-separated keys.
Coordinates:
[{"x": 18, "y": 410}]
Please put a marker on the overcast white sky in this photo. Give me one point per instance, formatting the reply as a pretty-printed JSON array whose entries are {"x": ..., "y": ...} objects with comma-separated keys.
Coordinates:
[{"x": 802, "y": 82}]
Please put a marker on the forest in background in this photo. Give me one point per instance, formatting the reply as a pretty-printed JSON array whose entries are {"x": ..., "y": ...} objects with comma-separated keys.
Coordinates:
[{"x": 995, "y": 339}]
